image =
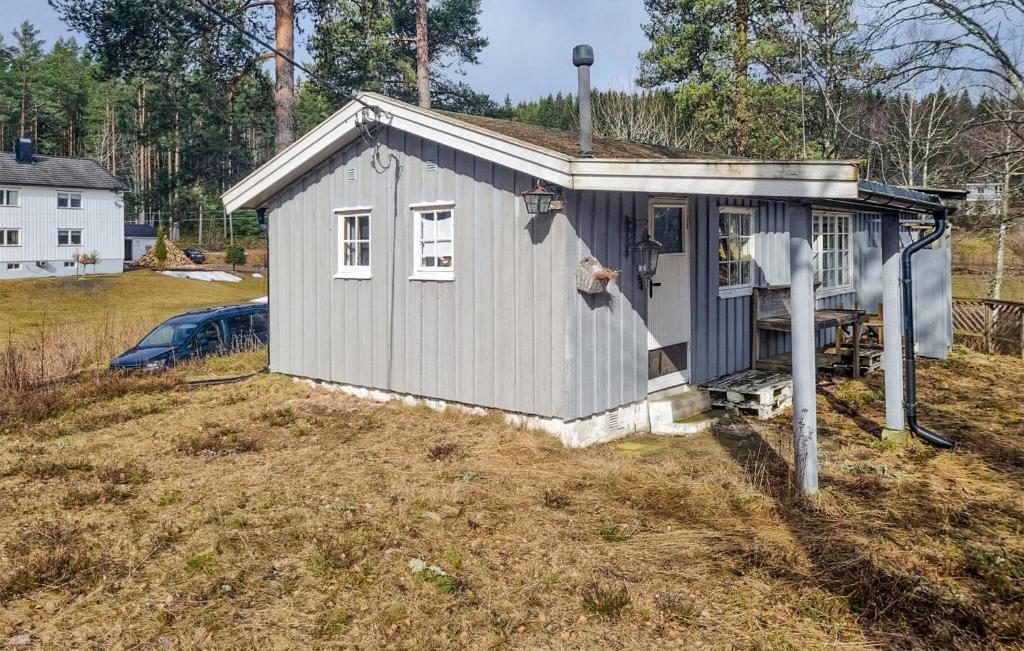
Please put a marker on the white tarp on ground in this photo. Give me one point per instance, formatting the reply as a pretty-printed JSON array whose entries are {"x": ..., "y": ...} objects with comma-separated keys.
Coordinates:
[
  {"x": 261, "y": 299},
  {"x": 206, "y": 276}
]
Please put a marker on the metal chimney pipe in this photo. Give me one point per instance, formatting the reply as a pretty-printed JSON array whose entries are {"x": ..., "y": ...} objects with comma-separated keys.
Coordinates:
[{"x": 583, "y": 58}]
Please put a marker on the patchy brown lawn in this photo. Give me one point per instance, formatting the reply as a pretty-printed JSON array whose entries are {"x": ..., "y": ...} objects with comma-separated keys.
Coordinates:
[{"x": 135, "y": 512}]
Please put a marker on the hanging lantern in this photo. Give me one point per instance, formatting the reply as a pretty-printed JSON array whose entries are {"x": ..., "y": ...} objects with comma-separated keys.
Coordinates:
[
  {"x": 538, "y": 200},
  {"x": 647, "y": 253}
]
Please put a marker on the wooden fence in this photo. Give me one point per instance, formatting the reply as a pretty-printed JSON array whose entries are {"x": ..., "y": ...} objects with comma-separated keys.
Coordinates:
[{"x": 989, "y": 326}]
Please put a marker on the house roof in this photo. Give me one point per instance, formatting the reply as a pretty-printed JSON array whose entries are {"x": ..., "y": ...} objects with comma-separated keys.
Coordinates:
[
  {"x": 551, "y": 155},
  {"x": 139, "y": 230},
  {"x": 567, "y": 142},
  {"x": 57, "y": 172}
]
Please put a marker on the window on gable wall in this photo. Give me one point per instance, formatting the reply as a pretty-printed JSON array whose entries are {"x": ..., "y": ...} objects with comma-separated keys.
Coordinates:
[
  {"x": 10, "y": 237},
  {"x": 69, "y": 199},
  {"x": 434, "y": 238},
  {"x": 8, "y": 197},
  {"x": 735, "y": 249},
  {"x": 832, "y": 250},
  {"x": 353, "y": 245},
  {"x": 69, "y": 237}
]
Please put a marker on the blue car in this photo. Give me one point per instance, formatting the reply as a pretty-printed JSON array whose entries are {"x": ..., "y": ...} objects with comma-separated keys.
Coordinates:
[{"x": 196, "y": 334}]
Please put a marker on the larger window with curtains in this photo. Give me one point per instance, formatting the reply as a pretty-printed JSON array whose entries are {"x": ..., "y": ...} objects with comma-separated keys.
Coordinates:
[
  {"x": 353, "y": 244},
  {"x": 832, "y": 251},
  {"x": 434, "y": 242},
  {"x": 735, "y": 251}
]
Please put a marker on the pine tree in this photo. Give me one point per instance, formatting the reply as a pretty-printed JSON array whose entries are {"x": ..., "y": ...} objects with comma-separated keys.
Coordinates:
[
  {"x": 160, "y": 247},
  {"x": 369, "y": 45},
  {"x": 28, "y": 50},
  {"x": 727, "y": 58}
]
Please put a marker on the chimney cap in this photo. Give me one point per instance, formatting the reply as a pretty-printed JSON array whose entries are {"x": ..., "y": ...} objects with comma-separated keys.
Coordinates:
[{"x": 582, "y": 55}]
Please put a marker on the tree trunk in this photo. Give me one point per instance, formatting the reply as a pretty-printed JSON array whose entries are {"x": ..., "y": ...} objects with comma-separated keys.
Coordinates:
[
  {"x": 24, "y": 100},
  {"x": 284, "y": 73},
  {"x": 742, "y": 71},
  {"x": 995, "y": 291},
  {"x": 422, "y": 60}
]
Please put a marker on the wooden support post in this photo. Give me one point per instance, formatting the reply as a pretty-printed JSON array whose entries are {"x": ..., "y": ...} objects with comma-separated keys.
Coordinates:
[
  {"x": 805, "y": 412},
  {"x": 1021, "y": 312},
  {"x": 892, "y": 327},
  {"x": 989, "y": 319}
]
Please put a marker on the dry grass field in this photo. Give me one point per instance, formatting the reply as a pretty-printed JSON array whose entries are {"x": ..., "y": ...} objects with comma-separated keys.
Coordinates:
[
  {"x": 136, "y": 512},
  {"x": 145, "y": 297}
]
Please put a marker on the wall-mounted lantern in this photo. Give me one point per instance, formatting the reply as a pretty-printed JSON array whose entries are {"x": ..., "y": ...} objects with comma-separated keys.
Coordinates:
[
  {"x": 540, "y": 199},
  {"x": 647, "y": 252}
]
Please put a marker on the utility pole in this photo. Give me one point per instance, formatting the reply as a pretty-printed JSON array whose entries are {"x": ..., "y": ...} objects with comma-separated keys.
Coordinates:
[
  {"x": 422, "y": 60},
  {"x": 200, "y": 224}
]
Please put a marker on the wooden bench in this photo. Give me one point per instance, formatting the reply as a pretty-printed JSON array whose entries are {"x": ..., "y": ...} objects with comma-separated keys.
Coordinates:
[{"x": 771, "y": 314}]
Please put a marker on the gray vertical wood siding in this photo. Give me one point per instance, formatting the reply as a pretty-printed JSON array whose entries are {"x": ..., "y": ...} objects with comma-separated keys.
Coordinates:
[
  {"x": 606, "y": 334},
  {"x": 494, "y": 336}
]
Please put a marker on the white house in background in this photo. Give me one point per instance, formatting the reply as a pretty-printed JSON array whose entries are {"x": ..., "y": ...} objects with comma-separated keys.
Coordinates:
[
  {"x": 138, "y": 239},
  {"x": 53, "y": 209}
]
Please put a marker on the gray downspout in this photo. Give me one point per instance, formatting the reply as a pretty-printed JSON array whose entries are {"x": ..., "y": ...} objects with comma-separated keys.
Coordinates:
[{"x": 909, "y": 361}]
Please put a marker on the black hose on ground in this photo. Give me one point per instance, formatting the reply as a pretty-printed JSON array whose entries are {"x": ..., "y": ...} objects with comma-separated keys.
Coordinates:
[
  {"x": 909, "y": 360},
  {"x": 225, "y": 380}
]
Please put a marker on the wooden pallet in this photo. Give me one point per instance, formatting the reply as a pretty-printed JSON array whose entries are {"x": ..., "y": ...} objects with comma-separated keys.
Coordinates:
[
  {"x": 762, "y": 393},
  {"x": 870, "y": 359}
]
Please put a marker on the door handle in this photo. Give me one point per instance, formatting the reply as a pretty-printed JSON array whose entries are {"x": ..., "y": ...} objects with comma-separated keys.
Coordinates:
[{"x": 650, "y": 288}]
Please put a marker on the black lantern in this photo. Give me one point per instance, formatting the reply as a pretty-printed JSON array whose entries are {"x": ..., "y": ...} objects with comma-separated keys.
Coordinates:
[
  {"x": 647, "y": 252},
  {"x": 538, "y": 200}
]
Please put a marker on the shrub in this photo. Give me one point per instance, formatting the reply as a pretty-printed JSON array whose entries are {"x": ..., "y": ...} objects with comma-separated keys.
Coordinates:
[
  {"x": 234, "y": 255},
  {"x": 160, "y": 248}
]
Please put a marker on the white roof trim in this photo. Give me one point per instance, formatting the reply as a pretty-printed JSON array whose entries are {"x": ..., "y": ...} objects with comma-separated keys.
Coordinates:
[{"x": 784, "y": 179}]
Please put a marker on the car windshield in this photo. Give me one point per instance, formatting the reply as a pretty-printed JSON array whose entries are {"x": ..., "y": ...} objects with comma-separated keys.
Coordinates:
[{"x": 168, "y": 334}]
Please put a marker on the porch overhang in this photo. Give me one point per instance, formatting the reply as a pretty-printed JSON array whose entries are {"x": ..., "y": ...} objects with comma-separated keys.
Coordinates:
[{"x": 886, "y": 199}]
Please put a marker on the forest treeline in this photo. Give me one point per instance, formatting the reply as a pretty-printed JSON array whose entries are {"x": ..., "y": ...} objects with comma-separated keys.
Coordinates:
[{"x": 182, "y": 104}]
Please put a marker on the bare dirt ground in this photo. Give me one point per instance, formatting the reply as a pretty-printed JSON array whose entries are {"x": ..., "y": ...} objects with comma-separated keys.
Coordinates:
[{"x": 138, "y": 513}]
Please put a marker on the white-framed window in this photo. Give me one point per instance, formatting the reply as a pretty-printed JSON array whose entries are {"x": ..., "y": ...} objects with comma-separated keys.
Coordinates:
[
  {"x": 8, "y": 197},
  {"x": 69, "y": 199},
  {"x": 433, "y": 232},
  {"x": 13, "y": 266},
  {"x": 10, "y": 237},
  {"x": 833, "y": 264},
  {"x": 68, "y": 263},
  {"x": 69, "y": 237},
  {"x": 353, "y": 243},
  {"x": 735, "y": 251}
]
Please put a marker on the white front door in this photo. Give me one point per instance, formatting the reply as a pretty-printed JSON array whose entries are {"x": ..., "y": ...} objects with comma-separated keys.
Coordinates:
[{"x": 668, "y": 305}]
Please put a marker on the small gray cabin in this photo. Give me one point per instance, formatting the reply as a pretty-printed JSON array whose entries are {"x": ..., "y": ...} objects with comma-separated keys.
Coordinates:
[{"x": 404, "y": 262}]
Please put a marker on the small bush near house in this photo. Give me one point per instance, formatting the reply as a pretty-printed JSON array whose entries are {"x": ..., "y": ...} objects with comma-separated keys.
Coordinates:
[
  {"x": 234, "y": 255},
  {"x": 160, "y": 248}
]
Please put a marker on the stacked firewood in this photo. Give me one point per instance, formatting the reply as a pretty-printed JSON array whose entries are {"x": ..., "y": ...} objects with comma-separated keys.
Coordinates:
[{"x": 175, "y": 258}]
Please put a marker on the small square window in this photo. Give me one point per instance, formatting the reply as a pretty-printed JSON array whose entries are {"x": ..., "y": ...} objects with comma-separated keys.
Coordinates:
[
  {"x": 69, "y": 237},
  {"x": 353, "y": 245},
  {"x": 10, "y": 237},
  {"x": 13, "y": 266},
  {"x": 434, "y": 238},
  {"x": 69, "y": 199}
]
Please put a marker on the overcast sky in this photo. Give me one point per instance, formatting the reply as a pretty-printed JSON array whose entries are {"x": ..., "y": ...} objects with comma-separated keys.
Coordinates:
[{"x": 531, "y": 41}]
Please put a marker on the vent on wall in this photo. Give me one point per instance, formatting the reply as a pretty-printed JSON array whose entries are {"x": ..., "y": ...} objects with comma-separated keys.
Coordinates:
[
  {"x": 614, "y": 419},
  {"x": 350, "y": 174},
  {"x": 430, "y": 165}
]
